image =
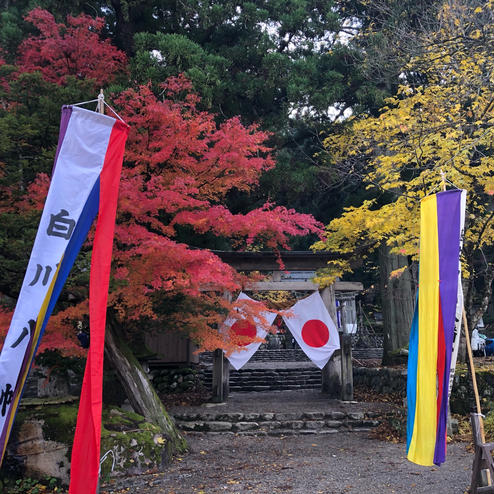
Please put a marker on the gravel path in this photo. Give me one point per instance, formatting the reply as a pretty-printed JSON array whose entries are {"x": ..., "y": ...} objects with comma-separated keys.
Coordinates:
[
  {"x": 342, "y": 463},
  {"x": 281, "y": 402},
  {"x": 338, "y": 463}
]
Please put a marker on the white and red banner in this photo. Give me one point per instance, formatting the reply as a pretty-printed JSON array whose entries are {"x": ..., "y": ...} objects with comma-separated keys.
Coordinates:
[
  {"x": 313, "y": 329},
  {"x": 85, "y": 180},
  {"x": 249, "y": 334}
]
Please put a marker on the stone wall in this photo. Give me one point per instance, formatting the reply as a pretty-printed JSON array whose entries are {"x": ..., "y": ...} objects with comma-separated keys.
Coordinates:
[
  {"x": 391, "y": 380},
  {"x": 381, "y": 379},
  {"x": 462, "y": 397}
]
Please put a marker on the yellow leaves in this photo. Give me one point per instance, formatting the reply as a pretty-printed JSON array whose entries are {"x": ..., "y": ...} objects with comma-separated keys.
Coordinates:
[
  {"x": 447, "y": 123},
  {"x": 476, "y": 34},
  {"x": 335, "y": 269},
  {"x": 395, "y": 274}
]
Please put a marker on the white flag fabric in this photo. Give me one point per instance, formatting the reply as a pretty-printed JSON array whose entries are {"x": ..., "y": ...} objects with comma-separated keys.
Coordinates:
[
  {"x": 244, "y": 328},
  {"x": 313, "y": 329},
  {"x": 80, "y": 158},
  {"x": 84, "y": 185}
]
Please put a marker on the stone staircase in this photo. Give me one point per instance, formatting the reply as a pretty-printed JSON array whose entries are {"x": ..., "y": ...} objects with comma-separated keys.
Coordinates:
[
  {"x": 277, "y": 424},
  {"x": 280, "y": 370},
  {"x": 283, "y": 379},
  {"x": 281, "y": 355},
  {"x": 293, "y": 355}
]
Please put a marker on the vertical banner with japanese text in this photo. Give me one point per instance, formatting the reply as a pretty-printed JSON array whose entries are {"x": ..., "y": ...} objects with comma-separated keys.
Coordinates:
[{"x": 86, "y": 141}]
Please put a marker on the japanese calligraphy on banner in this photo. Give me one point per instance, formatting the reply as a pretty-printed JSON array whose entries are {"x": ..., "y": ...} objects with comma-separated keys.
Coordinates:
[{"x": 85, "y": 181}]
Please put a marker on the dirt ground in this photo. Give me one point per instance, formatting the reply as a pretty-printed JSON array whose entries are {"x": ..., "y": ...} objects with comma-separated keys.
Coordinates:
[
  {"x": 337, "y": 463},
  {"x": 342, "y": 463}
]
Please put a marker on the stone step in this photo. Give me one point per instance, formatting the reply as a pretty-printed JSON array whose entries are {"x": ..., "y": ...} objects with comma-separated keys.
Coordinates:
[
  {"x": 268, "y": 373},
  {"x": 281, "y": 355},
  {"x": 274, "y": 387},
  {"x": 291, "y": 380},
  {"x": 294, "y": 355},
  {"x": 269, "y": 379},
  {"x": 274, "y": 382},
  {"x": 279, "y": 377},
  {"x": 277, "y": 423}
]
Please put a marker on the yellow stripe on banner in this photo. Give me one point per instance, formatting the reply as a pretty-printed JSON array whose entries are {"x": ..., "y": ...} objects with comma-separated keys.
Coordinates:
[
  {"x": 39, "y": 323},
  {"x": 423, "y": 442}
]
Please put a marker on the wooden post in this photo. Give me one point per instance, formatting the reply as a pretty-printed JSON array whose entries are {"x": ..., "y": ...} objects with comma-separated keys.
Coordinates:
[
  {"x": 101, "y": 102},
  {"x": 346, "y": 360},
  {"x": 221, "y": 374},
  {"x": 221, "y": 371},
  {"x": 346, "y": 368},
  {"x": 331, "y": 372}
]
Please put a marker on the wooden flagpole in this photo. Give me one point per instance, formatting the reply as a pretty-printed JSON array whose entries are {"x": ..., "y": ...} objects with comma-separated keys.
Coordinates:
[
  {"x": 472, "y": 371},
  {"x": 101, "y": 102}
]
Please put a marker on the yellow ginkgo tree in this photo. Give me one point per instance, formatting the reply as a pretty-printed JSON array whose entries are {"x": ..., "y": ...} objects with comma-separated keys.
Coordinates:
[{"x": 440, "y": 120}]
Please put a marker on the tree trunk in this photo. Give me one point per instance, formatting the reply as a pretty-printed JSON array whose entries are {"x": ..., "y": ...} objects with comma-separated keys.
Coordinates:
[
  {"x": 397, "y": 303},
  {"x": 139, "y": 389},
  {"x": 124, "y": 27}
]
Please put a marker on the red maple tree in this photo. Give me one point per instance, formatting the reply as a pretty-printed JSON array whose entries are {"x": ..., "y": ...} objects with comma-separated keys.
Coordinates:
[
  {"x": 179, "y": 167},
  {"x": 76, "y": 48}
]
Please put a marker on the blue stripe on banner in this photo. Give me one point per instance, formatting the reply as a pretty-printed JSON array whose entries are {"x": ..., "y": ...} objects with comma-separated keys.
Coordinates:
[
  {"x": 79, "y": 235},
  {"x": 413, "y": 349}
]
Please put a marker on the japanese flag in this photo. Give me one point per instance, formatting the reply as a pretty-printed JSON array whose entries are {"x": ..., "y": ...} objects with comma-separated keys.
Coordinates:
[
  {"x": 313, "y": 329},
  {"x": 244, "y": 328}
]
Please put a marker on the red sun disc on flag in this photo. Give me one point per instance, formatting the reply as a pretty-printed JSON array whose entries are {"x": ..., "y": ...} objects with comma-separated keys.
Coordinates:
[
  {"x": 246, "y": 330},
  {"x": 315, "y": 333}
]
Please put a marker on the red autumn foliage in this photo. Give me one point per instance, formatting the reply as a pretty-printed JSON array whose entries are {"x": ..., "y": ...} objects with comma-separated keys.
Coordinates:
[
  {"x": 179, "y": 167},
  {"x": 75, "y": 48}
]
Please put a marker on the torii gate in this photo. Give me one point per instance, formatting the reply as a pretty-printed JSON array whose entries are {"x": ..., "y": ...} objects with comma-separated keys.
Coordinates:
[{"x": 337, "y": 374}]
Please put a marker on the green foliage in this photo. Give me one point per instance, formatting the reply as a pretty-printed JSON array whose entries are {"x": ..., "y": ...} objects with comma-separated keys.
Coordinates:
[
  {"x": 29, "y": 122},
  {"x": 31, "y": 486},
  {"x": 11, "y": 33},
  {"x": 159, "y": 56}
]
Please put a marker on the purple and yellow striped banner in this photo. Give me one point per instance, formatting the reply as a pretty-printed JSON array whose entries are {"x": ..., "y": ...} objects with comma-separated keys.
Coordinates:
[{"x": 433, "y": 327}]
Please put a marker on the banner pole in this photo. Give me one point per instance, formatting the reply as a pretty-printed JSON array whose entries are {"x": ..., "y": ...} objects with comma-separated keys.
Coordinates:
[
  {"x": 475, "y": 388},
  {"x": 101, "y": 102},
  {"x": 472, "y": 370}
]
